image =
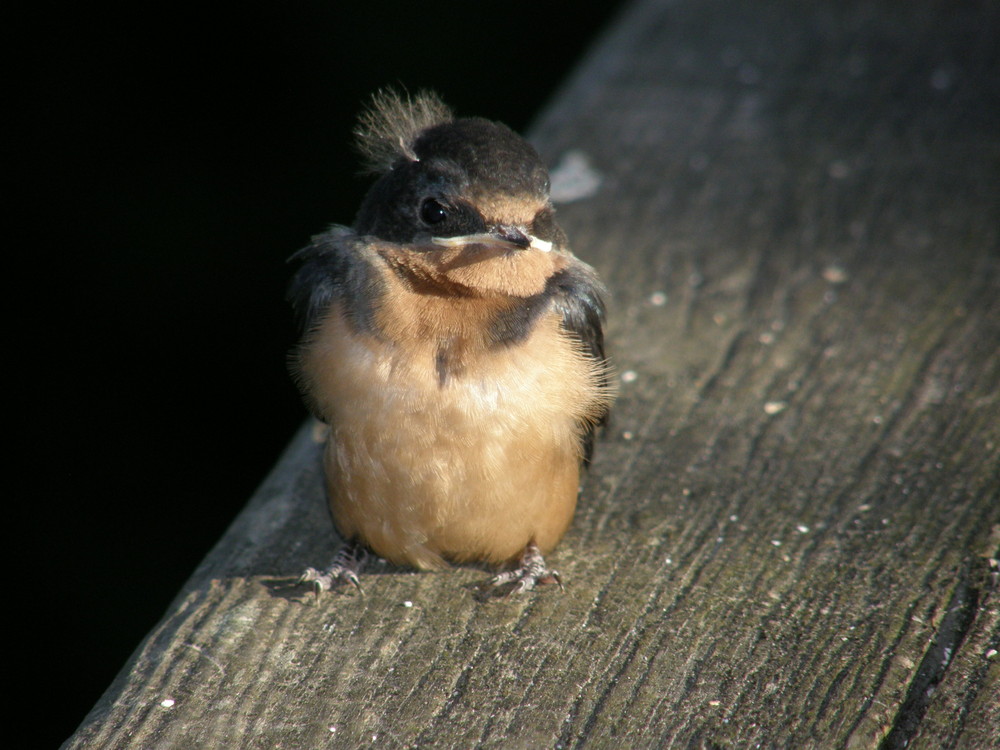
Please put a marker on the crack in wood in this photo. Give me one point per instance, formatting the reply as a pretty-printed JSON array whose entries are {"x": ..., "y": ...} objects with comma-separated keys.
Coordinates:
[{"x": 957, "y": 621}]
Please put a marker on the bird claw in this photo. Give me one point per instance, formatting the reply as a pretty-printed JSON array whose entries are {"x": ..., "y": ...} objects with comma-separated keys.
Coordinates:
[
  {"x": 345, "y": 567},
  {"x": 532, "y": 572},
  {"x": 325, "y": 580}
]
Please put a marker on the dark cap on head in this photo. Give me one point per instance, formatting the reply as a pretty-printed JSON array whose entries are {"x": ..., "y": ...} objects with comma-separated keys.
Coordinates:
[
  {"x": 493, "y": 157},
  {"x": 462, "y": 168}
]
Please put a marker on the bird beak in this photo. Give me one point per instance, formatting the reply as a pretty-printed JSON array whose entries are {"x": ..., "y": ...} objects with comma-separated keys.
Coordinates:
[
  {"x": 521, "y": 238},
  {"x": 509, "y": 236}
]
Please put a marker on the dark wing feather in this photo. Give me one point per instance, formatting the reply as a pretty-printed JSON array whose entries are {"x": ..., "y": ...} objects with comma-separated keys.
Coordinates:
[
  {"x": 333, "y": 268},
  {"x": 577, "y": 294}
]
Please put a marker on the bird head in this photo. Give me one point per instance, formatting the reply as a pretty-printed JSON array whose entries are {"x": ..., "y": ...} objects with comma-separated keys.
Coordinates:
[{"x": 447, "y": 183}]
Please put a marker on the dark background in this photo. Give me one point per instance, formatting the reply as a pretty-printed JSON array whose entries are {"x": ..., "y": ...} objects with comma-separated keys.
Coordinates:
[{"x": 164, "y": 164}]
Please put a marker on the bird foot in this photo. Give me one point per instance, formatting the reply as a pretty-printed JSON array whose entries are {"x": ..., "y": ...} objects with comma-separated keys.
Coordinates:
[
  {"x": 531, "y": 572},
  {"x": 347, "y": 564}
]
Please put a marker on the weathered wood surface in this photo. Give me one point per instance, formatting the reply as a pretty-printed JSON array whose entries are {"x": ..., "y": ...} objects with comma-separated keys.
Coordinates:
[{"x": 786, "y": 536}]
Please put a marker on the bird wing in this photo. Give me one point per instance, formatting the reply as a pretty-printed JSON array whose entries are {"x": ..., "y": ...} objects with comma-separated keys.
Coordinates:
[
  {"x": 334, "y": 267},
  {"x": 578, "y": 296}
]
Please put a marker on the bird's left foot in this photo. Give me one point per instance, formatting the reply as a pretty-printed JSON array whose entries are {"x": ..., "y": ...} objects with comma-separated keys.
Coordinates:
[{"x": 531, "y": 572}]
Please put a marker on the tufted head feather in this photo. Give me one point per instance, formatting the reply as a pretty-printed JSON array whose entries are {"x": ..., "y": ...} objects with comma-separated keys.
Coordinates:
[{"x": 387, "y": 129}]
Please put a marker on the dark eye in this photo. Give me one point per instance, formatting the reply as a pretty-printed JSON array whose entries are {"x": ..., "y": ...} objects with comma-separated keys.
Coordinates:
[{"x": 432, "y": 212}]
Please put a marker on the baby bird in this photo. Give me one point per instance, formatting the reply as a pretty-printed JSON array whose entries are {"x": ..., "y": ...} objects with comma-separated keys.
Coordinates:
[{"x": 453, "y": 345}]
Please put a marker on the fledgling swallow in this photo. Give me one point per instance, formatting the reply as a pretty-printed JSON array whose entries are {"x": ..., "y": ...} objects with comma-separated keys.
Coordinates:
[{"x": 454, "y": 347}]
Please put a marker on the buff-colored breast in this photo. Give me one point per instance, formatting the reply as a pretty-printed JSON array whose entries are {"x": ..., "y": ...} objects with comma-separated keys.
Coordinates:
[{"x": 469, "y": 467}]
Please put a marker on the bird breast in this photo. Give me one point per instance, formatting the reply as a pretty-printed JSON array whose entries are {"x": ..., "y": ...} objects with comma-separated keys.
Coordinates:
[{"x": 442, "y": 445}]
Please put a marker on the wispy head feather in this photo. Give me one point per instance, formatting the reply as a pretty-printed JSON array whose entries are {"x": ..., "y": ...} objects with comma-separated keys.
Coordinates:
[{"x": 388, "y": 128}]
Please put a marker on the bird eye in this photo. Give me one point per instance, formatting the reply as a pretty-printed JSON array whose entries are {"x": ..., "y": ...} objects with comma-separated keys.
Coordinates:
[{"x": 432, "y": 212}]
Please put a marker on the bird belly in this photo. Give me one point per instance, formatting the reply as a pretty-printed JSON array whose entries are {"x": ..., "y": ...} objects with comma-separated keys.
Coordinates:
[{"x": 426, "y": 470}]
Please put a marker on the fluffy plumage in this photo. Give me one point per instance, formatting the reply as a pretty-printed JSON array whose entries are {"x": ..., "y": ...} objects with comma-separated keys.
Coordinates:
[
  {"x": 454, "y": 346},
  {"x": 387, "y": 129}
]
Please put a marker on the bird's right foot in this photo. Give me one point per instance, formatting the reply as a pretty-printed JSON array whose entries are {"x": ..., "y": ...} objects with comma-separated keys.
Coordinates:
[{"x": 346, "y": 566}]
